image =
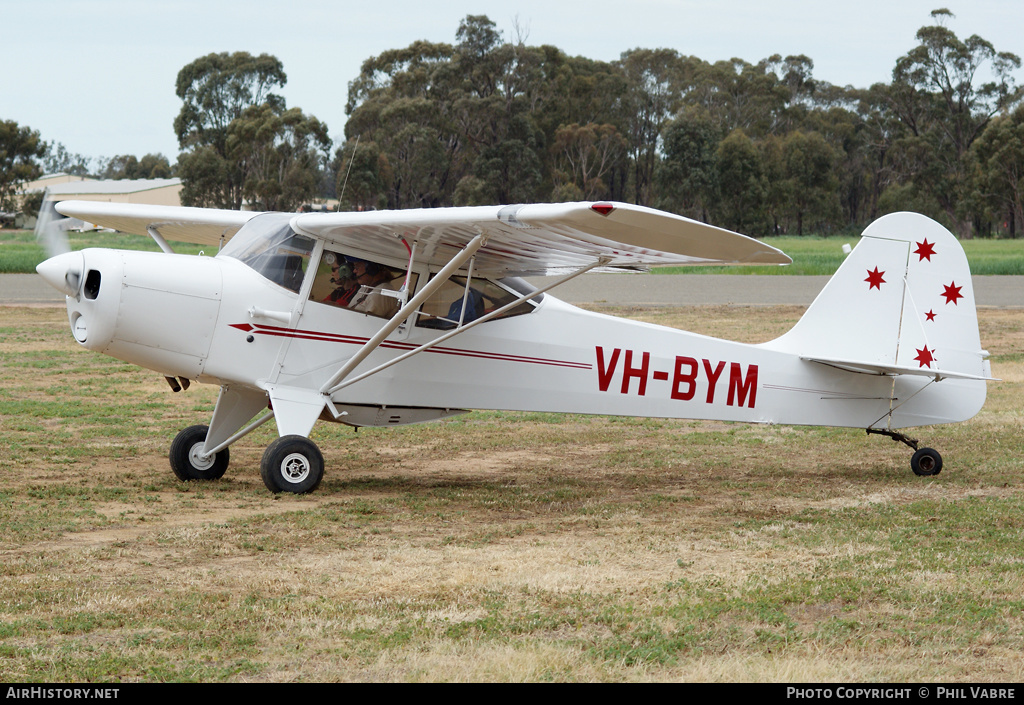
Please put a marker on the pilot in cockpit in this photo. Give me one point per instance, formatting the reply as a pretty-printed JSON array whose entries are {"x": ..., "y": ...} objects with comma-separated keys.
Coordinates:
[
  {"x": 342, "y": 279},
  {"x": 372, "y": 279}
]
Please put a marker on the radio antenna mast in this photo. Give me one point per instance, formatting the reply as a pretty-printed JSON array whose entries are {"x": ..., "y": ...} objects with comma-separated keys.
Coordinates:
[{"x": 351, "y": 161}]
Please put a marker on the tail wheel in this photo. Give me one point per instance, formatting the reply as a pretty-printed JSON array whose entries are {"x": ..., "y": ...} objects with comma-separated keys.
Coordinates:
[
  {"x": 292, "y": 464},
  {"x": 926, "y": 461},
  {"x": 187, "y": 460}
]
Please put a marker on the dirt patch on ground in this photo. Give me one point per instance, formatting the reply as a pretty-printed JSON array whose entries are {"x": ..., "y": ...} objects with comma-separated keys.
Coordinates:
[{"x": 498, "y": 546}]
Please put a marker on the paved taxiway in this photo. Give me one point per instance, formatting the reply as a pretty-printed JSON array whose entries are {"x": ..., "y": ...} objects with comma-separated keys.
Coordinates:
[{"x": 632, "y": 289}]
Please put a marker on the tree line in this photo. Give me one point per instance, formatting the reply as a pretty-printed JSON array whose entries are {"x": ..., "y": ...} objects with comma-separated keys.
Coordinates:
[{"x": 761, "y": 148}]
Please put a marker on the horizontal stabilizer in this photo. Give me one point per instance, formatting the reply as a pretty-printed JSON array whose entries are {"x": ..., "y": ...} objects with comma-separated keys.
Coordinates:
[{"x": 873, "y": 368}]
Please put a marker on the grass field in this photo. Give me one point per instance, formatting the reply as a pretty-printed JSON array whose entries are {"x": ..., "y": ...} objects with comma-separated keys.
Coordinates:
[
  {"x": 811, "y": 255},
  {"x": 823, "y": 255},
  {"x": 20, "y": 253},
  {"x": 500, "y": 546}
]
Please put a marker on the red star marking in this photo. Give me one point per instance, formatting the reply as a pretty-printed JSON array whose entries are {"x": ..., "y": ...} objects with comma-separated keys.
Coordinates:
[
  {"x": 930, "y": 316},
  {"x": 952, "y": 293},
  {"x": 924, "y": 357},
  {"x": 874, "y": 279},
  {"x": 925, "y": 250}
]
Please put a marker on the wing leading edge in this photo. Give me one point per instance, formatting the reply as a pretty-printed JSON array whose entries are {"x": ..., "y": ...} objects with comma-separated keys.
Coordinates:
[{"x": 202, "y": 226}]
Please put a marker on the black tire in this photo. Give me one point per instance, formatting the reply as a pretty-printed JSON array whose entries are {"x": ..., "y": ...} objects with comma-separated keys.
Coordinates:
[
  {"x": 185, "y": 460},
  {"x": 292, "y": 464},
  {"x": 926, "y": 462}
]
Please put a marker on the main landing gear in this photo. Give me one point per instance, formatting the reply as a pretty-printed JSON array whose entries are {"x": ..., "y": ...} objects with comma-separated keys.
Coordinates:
[
  {"x": 925, "y": 461},
  {"x": 290, "y": 464}
]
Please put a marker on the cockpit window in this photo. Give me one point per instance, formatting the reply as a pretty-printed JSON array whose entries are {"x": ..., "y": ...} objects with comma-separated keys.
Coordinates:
[
  {"x": 452, "y": 304},
  {"x": 360, "y": 285},
  {"x": 267, "y": 244}
]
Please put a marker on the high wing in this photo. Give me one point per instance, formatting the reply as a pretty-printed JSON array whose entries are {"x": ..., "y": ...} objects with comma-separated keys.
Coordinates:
[
  {"x": 540, "y": 239},
  {"x": 531, "y": 239},
  {"x": 202, "y": 226}
]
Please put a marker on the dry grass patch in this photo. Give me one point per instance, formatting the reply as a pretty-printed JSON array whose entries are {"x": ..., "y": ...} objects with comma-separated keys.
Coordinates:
[{"x": 502, "y": 547}]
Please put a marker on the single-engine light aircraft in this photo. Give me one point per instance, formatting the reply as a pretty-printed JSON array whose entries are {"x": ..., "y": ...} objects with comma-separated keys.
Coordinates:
[{"x": 384, "y": 318}]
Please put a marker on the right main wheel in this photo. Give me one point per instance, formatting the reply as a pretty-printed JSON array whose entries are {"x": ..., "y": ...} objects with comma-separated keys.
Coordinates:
[{"x": 292, "y": 464}]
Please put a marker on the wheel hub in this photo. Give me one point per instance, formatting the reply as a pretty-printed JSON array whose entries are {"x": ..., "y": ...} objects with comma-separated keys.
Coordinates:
[
  {"x": 295, "y": 468},
  {"x": 198, "y": 460}
]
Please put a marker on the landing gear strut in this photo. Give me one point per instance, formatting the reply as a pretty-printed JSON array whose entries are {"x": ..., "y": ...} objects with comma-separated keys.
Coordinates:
[{"x": 924, "y": 462}]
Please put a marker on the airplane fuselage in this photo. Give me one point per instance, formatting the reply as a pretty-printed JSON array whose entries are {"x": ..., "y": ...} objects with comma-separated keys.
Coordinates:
[{"x": 217, "y": 321}]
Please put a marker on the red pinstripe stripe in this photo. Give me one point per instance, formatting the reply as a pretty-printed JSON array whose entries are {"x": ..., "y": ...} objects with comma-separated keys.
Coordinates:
[{"x": 298, "y": 334}]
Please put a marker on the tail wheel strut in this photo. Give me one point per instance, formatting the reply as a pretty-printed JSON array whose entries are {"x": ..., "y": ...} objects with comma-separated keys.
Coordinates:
[{"x": 925, "y": 461}]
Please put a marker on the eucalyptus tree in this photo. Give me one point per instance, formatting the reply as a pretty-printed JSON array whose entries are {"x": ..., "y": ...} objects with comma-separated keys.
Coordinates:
[
  {"x": 279, "y": 154},
  {"x": 363, "y": 172},
  {"x": 585, "y": 156},
  {"x": 687, "y": 177},
  {"x": 582, "y": 92},
  {"x": 473, "y": 122},
  {"x": 20, "y": 149},
  {"x": 809, "y": 168},
  {"x": 128, "y": 166},
  {"x": 997, "y": 159},
  {"x": 945, "y": 91},
  {"x": 654, "y": 88},
  {"x": 736, "y": 94},
  {"x": 57, "y": 159},
  {"x": 743, "y": 185},
  {"x": 402, "y": 103},
  {"x": 215, "y": 90}
]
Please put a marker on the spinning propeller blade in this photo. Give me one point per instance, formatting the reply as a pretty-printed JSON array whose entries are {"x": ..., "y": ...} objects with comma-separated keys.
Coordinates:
[
  {"x": 49, "y": 234},
  {"x": 62, "y": 269}
]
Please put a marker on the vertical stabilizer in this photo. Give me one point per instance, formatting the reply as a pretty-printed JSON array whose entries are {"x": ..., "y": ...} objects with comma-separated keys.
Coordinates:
[
  {"x": 902, "y": 304},
  {"x": 903, "y": 298}
]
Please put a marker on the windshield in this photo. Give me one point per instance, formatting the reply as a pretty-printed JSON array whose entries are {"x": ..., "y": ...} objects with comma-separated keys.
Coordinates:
[{"x": 267, "y": 244}]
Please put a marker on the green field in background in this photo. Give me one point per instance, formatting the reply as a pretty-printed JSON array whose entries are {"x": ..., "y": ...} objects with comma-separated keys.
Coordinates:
[{"x": 19, "y": 252}]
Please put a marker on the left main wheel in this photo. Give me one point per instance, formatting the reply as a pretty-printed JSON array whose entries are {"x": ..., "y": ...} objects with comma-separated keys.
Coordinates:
[
  {"x": 186, "y": 456},
  {"x": 292, "y": 464}
]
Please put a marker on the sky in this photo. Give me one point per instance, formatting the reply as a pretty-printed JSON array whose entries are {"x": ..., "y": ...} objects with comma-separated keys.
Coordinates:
[{"x": 98, "y": 76}]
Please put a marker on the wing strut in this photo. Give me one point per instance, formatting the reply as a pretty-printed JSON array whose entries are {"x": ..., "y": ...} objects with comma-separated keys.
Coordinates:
[
  {"x": 337, "y": 384},
  {"x": 407, "y": 310},
  {"x": 159, "y": 239}
]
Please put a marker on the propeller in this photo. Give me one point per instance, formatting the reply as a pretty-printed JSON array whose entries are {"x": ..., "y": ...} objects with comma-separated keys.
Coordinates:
[
  {"x": 63, "y": 269},
  {"x": 49, "y": 232}
]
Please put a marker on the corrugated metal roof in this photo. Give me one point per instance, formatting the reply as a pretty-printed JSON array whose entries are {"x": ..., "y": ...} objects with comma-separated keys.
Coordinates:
[{"x": 110, "y": 186}]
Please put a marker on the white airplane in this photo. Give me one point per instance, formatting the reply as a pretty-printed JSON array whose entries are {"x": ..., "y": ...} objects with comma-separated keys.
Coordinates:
[{"x": 385, "y": 318}]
